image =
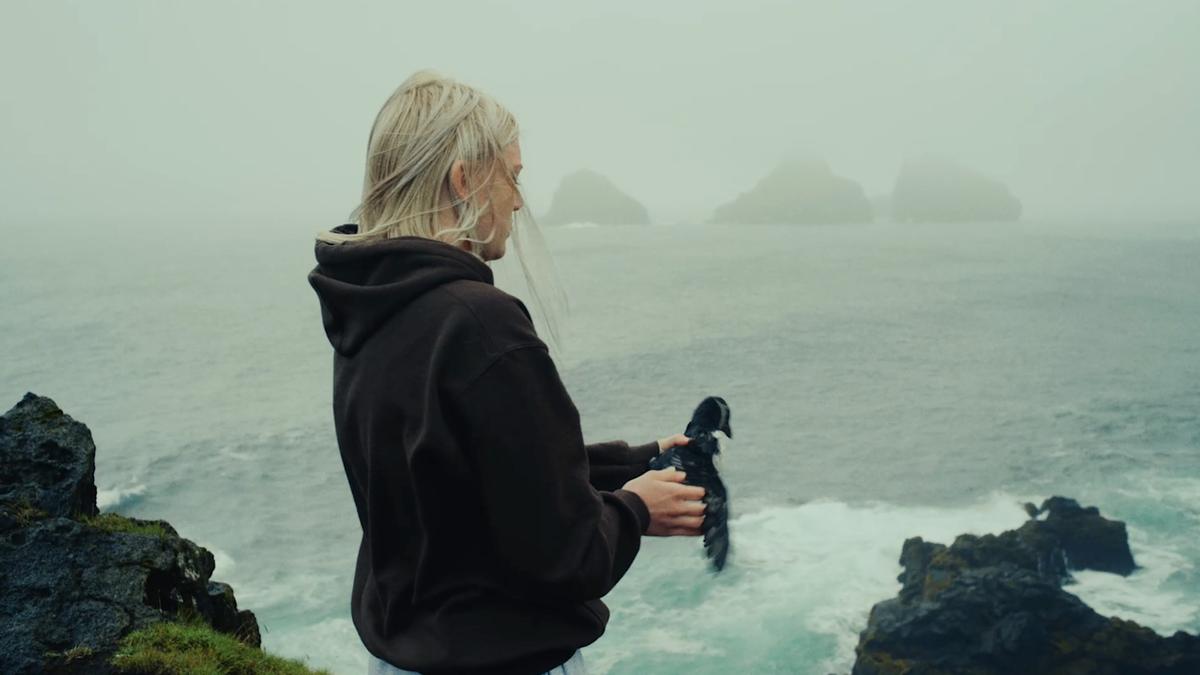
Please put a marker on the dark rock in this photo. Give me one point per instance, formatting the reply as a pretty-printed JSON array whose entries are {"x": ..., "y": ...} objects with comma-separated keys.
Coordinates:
[
  {"x": 1089, "y": 540},
  {"x": 993, "y": 605},
  {"x": 799, "y": 191},
  {"x": 220, "y": 605},
  {"x": 932, "y": 190},
  {"x": 587, "y": 197},
  {"x": 49, "y": 459},
  {"x": 915, "y": 557},
  {"x": 69, "y": 581}
]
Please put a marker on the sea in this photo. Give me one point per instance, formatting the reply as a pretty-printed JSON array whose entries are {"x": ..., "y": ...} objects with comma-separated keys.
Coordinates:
[{"x": 886, "y": 381}]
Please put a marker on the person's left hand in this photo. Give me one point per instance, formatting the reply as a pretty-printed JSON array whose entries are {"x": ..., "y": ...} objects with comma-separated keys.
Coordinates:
[{"x": 669, "y": 442}]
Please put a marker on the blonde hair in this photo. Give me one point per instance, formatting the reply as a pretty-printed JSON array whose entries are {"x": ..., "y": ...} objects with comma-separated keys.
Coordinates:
[{"x": 427, "y": 124}]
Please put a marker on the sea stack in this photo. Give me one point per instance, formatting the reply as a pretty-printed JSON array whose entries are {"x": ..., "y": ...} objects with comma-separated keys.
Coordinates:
[
  {"x": 930, "y": 190},
  {"x": 588, "y": 197},
  {"x": 799, "y": 191}
]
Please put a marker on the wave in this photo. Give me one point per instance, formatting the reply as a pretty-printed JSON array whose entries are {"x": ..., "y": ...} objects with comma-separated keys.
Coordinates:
[
  {"x": 802, "y": 580},
  {"x": 107, "y": 500}
]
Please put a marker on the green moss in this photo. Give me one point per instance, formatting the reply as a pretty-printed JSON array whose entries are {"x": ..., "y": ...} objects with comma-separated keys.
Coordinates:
[
  {"x": 72, "y": 654},
  {"x": 77, "y": 652},
  {"x": 50, "y": 414},
  {"x": 884, "y": 663},
  {"x": 25, "y": 512},
  {"x": 112, "y": 522},
  {"x": 190, "y": 646}
]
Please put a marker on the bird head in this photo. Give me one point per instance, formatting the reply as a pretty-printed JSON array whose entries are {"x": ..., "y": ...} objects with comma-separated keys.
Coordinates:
[{"x": 711, "y": 415}]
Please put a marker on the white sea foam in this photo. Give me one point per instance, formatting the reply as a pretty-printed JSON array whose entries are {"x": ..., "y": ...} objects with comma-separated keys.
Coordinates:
[
  {"x": 106, "y": 500},
  {"x": 1144, "y": 597},
  {"x": 802, "y": 580},
  {"x": 1160, "y": 594},
  {"x": 290, "y": 591},
  {"x": 330, "y": 643},
  {"x": 798, "y": 589},
  {"x": 226, "y": 451}
]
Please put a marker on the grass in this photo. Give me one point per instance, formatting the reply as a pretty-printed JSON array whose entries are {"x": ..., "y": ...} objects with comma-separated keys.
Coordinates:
[
  {"x": 76, "y": 652},
  {"x": 190, "y": 646},
  {"x": 25, "y": 513},
  {"x": 112, "y": 522}
]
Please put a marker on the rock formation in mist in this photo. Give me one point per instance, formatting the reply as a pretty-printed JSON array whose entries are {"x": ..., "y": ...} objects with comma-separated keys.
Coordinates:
[
  {"x": 994, "y": 605},
  {"x": 587, "y": 197},
  {"x": 799, "y": 191},
  {"x": 882, "y": 206},
  {"x": 930, "y": 190}
]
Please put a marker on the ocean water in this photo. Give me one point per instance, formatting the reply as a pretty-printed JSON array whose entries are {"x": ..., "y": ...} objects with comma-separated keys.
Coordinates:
[{"x": 885, "y": 381}]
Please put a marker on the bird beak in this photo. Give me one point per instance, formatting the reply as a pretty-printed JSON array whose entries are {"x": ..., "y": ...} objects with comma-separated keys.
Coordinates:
[{"x": 728, "y": 431}]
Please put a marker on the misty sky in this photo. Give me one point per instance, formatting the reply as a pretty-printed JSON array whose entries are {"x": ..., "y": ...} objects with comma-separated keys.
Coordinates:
[{"x": 235, "y": 113}]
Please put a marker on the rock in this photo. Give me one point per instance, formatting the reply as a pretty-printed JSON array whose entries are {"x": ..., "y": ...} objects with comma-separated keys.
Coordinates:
[
  {"x": 72, "y": 579},
  {"x": 1088, "y": 540},
  {"x": 915, "y": 557},
  {"x": 587, "y": 197},
  {"x": 49, "y": 459},
  {"x": 937, "y": 191},
  {"x": 994, "y": 605},
  {"x": 221, "y": 606},
  {"x": 799, "y": 191}
]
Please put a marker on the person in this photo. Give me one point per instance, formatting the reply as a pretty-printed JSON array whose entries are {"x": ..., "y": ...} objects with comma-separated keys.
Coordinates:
[{"x": 490, "y": 530}]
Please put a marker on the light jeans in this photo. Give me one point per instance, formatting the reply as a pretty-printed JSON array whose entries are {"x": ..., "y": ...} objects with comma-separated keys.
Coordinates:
[{"x": 377, "y": 666}]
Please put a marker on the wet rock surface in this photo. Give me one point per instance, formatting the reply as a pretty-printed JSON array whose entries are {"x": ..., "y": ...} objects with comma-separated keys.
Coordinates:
[{"x": 995, "y": 604}]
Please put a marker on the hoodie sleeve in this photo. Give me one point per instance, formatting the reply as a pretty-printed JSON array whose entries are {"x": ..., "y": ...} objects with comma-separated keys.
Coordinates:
[
  {"x": 557, "y": 536},
  {"x": 615, "y": 463}
]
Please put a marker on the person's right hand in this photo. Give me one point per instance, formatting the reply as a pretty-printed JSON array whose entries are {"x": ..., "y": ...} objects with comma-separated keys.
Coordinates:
[{"x": 675, "y": 509}]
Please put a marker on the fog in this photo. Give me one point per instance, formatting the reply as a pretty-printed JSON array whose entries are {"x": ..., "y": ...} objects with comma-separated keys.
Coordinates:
[{"x": 235, "y": 114}]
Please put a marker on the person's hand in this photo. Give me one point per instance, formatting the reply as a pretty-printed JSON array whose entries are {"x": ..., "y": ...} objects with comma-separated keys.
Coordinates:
[
  {"x": 669, "y": 442},
  {"x": 675, "y": 509}
]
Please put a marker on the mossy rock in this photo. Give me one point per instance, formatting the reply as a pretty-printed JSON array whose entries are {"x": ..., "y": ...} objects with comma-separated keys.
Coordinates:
[
  {"x": 113, "y": 522},
  {"x": 69, "y": 658},
  {"x": 23, "y": 512}
]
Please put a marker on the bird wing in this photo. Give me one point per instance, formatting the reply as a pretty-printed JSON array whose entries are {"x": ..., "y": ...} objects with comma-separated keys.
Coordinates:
[
  {"x": 716, "y": 522},
  {"x": 716, "y": 506}
]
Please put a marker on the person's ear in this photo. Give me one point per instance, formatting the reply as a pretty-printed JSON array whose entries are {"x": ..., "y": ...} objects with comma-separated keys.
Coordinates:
[{"x": 458, "y": 180}]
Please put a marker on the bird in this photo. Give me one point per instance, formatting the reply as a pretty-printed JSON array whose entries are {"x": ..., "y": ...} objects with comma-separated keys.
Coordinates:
[{"x": 696, "y": 459}]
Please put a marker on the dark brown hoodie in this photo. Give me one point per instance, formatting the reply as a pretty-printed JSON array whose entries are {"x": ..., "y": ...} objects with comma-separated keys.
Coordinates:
[{"x": 486, "y": 544}]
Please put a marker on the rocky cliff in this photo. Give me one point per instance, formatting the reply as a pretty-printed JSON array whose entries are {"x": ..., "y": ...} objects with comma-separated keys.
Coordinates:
[
  {"x": 994, "y": 605},
  {"x": 73, "y": 581}
]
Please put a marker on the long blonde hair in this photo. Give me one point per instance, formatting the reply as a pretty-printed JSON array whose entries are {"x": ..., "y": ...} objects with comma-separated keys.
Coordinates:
[{"x": 428, "y": 123}]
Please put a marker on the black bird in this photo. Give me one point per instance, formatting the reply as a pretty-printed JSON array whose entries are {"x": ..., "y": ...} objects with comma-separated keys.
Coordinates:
[{"x": 696, "y": 460}]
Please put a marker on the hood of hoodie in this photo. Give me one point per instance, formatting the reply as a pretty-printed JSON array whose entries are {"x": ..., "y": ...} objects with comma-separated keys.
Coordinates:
[{"x": 360, "y": 286}]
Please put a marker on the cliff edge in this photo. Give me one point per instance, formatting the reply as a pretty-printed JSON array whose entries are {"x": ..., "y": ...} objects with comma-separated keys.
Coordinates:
[{"x": 75, "y": 581}]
